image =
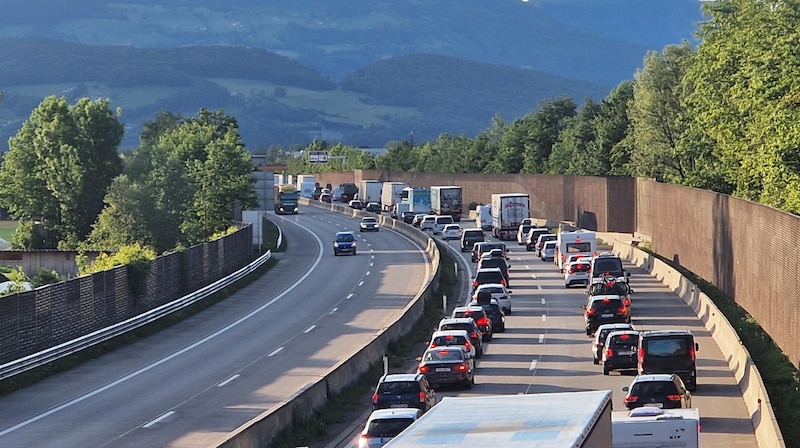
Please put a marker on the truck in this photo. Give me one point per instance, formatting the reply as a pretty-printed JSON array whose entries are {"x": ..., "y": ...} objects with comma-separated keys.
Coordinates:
[
  {"x": 348, "y": 192},
  {"x": 446, "y": 200},
  {"x": 508, "y": 211},
  {"x": 390, "y": 194},
  {"x": 654, "y": 427},
  {"x": 418, "y": 198},
  {"x": 399, "y": 209},
  {"x": 370, "y": 191},
  {"x": 305, "y": 185},
  {"x": 286, "y": 199},
  {"x": 546, "y": 420},
  {"x": 582, "y": 242}
]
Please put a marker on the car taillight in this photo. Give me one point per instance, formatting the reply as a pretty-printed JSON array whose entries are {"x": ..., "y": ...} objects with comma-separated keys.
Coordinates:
[
  {"x": 422, "y": 397},
  {"x": 423, "y": 369},
  {"x": 590, "y": 311},
  {"x": 691, "y": 352},
  {"x": 503, "y": 282},
  {"x": 467, "y": 345},
  {"x": 570, "y": 272},
  {"x": 627, "y": 302},
  {"x": 503, "y": 297},
  {"x": 473, "y": 335},
  {"x": 474, "y": 283},
  {"x": 631, "y": 398},
  {"x": 433, "y": 345},
  {"x": 483, "y": 321},
  {"x": 641, "y": 355},
  {"x": 462, "y": 368},
  {"x": 375, "y": 398},
  {"x": 674, "y": 397},
  {"x": 609, "y": 353}
]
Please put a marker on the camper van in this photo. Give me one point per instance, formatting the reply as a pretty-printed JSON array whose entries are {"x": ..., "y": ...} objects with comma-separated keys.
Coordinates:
[
  {"x": 654, "y": 427},
  {"x": 574, "y": 243}
]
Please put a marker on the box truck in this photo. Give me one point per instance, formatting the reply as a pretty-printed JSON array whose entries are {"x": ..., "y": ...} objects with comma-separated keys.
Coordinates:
[
  {"x": 305, "y": 185},
  {"x": 391, "y": 194},
  {"x": 508, "y": 211},
  {"x": 547, "y": 420},
  {"x": 370, "y": 191},
  {"x": 446, "y": 200},
  {"x": 418, "y": 198},
  {"x": 648, "y": 427}
]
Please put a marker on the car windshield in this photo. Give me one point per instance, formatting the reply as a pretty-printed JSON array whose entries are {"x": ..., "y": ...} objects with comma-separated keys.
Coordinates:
[
  {"x": 606, "y": 305},
  {"x": 654, "y": 388},
  {"x": 369, "y": 220},
  {"x": 344, "y": 238},
  {"x": 388, "y": 427},
  {"x": 492, "y": 289},
  {"x": 443, "y": 355},
  {"x": 489, "y": 277}
]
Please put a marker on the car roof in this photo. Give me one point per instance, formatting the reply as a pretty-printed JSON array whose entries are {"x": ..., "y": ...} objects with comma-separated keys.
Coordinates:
[
  {"x": 493, "y": 285},
  {"x": 446, "y": 347},
  {"x": 614, "y": 326},
  {"x": 604, "y": 296},
  {"x": 454, "y": 320},
  {"x": 452, "y": 332},
  {"x": 452, "y": 225},
  {"x": 654, "y": 377},
  {"x": 346, "y": 232},
  {"x": 492, "y": 301},
  {"x": 399, "y": 377},
  {"x": 369, "y": 218},
  {"x": 488, "y": 270},
  {"x": 666, "y": 333},
  {"x": 381, "y": 414},
  {"x": 620, "y": 332},
  {"x": 468, "y": 308}
]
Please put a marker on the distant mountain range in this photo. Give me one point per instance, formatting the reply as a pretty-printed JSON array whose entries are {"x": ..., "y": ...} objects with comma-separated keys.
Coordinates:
[{"x": 360, "y": 71}]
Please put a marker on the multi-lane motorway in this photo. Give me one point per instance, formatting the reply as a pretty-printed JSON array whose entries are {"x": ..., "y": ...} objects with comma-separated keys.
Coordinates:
[
  {"x": 545, "y": 348},
  {"x": 191, "y": 384}
]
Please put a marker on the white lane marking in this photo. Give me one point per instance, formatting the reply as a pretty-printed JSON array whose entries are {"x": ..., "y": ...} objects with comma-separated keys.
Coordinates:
[
  {"x": 361, "y": 283},
  {"x": 202, "y": 341},
  {"x": 533, "y": 365},
  {"x": 528, "y": 267},
  {"x": 372, "y": 256},
  {"x": 367, "y": 273},
  {"x": 519, "y": 259},
  {"x": 333, "y": 310},
  {"x": 159, "y": 419},
  {"x": 275, "y": 352},
  {"x": 309, "y": 329},
  {"x": 532, "y": 275},
  {"x": 544, "y": 317},
  {"x": 539, "y": 286},
  {"x": 371, "y": 264},
  {"x": 228, "y": 381},
  {"x": 541, "y": 339},
  {"x": 349, "y": 296},
  {"x": 543, "y": 301}
]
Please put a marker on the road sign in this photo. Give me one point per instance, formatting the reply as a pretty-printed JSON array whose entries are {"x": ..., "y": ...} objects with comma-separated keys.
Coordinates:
[{"x": 318, "y": 157}]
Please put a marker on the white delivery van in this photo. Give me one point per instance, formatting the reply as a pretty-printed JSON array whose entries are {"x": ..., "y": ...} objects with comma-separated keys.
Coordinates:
[
  {"x": 573, "y": 243},
  {"x": 484, "y": 217},
  {"x": 648, "y": 427}
]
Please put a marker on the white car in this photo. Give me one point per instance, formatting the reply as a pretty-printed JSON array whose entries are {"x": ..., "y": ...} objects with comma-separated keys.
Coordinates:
[
  {"x": 384, "y": 424},
  {"x": 368, "y": 224},
  {"x": 427, "y": 222},
  {"x": 458, "y": 338},
  {"x": 499, "y": 293},
  {"x": 577, "y": 273},
  {"x": 451, "y": 232}
]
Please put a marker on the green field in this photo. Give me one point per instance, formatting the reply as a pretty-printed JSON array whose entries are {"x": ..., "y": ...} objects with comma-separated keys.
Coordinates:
[{"x": 7, "y": 229}]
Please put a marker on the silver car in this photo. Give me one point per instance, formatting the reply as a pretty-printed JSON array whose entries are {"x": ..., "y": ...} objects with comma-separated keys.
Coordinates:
[{"x": 549, "y": 251}]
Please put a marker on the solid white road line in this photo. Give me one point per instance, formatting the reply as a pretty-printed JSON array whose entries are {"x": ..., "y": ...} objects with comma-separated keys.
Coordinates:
[
  {"x": 539, "y": 286},
  {"x": 361, "y": 283},
  {"x": 159, "y": 419},
  {"x": 543, "y": 301},
  {"x": 228, "y": 381}
]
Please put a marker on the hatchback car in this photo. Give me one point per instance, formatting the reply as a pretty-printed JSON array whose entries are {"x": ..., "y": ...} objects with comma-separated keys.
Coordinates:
[
  {"x": 478, "y": 314},
  {"x": 469, "y": 237},
  {"x": 620, "y": 352},
  {"x": 665, "y": 390},
  {"x": 446, "y": 338},
  {"x": 427, "y": 222},
  {"x": 407, "y": 217},
  {"x": 488, "y": 275},
  {"x": 494, "y": 262},
  {"x": 345, "y": 242},
  {"x": 385, "y": 424},
  {"x": 451, "y": 232},
  {"x": 533, "y": 236},
  {"x": 543, "y": 238},
  {"x": 440, "y": 222},
  {"x": 467, "y": 324},
  {"x": 605, "y": 309},
  {"x": 325, "y": 197},
  {"x": 373, "y": 207},
  {"x": 498, "y": 292},
  {"x": 368, "y": 224},
  {"x": 403, "y": 390},
  {"x": 576, "y": 273},
  {"x": 356, "y": 204},
  {"x": 447, "y": 365},
  {"x": 599, "y": 341},
  {"x": 494, "y": 312},
  {"x": 548, "y": 251}
]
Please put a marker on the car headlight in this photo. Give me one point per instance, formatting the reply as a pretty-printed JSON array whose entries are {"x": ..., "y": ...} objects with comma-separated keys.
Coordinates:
[{"x": 335, "y": 244}]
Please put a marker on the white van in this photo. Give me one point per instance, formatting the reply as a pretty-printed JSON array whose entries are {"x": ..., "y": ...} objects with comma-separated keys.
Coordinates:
[
  {"x": 484, "y": 217},
  {"x": 440, "y": 222},
  {"x": 574, "y": 243},
  {"x": 654, "y": 427}
]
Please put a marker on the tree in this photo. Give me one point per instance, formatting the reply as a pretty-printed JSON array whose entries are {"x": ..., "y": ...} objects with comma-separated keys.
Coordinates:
[{"x": 59, "y": 166}]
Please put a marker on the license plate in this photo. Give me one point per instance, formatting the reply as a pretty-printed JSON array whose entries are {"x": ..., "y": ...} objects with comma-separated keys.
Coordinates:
[
  {"x": 654, "y": 405},
  {"x": 608, "y": 315},
  {"x": 385, "y": 439},
  {"x": 443, "y": 369},
  {"x": 405, "y": 405},
  {"x": 625, "y": 353}
]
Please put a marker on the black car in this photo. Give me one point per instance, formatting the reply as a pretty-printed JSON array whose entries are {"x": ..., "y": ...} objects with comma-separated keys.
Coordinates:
[
  {"x": 488, "y": 275},
  {"x": 373, "y": 207},
  {"x": 447, "y": 365},
  {"x": 478, "y": 314},
  {"x": 669, "y": 351},
  {"x": 469, "y": 237},
  {"x": 407, "y": 217},
  {"x": 345, "y": 242},
  {"x": 403, "y": 390},
  {"x": 600, "y": 335},
  {"x": 621, "y": 351},
  {"x": 493, "y": 311},
  {"x": 479, "y": 249},
  {"x": 665, "y": 391},
  {"x": 499, "y": 263},
  {"x": 604, "y": 310}
]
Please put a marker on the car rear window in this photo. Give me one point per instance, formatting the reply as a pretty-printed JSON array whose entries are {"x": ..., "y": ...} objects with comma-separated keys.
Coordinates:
[
  {"x": 654, "y": 388},
  {"x": 574, "y": 248},
  {"x": 389, "y": 427},
  {"x": 579, "y": 267},
  {"x": 470, "y": 313},
  {"x": 602, "y": 265},
  {"x": 473, "y": 235},
  {"x": 489, "y": 277},
  {"x": 443, "y": 355},
  {"x": 493, "y": 263},
  {"x": 450, "y": 340},
  {"x": 398, "y": 387},
  {"x": 623, "y": 340},
  {"x": 667, "y": 347},
  {"x": 457, "y": 326},
  {"x": 610, "y": 306}
]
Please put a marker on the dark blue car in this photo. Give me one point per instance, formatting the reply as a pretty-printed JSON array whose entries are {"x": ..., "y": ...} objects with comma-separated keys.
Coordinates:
[{"x": 345, "y": 242}]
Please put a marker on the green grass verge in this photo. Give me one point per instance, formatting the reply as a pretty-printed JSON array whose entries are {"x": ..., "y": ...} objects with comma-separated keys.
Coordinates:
[
  {"x": 778, "y": 373},
  {"x": 270, "y": 231},
  {"x": 315, "y": 430},
  {"x": 7, "y": 229}
]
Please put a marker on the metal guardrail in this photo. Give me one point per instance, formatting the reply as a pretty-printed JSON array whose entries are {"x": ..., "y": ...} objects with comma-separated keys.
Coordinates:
[{"x": 43, "y": 357}]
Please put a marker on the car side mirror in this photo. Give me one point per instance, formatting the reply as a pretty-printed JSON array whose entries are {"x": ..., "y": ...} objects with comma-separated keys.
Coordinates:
[
  {"x": 625, "y": 388},
  {"x": 419, "y": 358},
  {"x": 583, "y": 307},
  {"x": 696, "y": 347},
  {"x": 509, "y": 291},
  {"x": 627, "y": 274}
]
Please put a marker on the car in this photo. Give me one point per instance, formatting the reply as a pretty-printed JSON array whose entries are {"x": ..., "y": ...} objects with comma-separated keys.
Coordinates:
[
  {"x": 576, "y": 272},
  {"x": 493, "y": 253},
  {"x": 498, "y": 292},
  {"x": 493, "y": 311},
  {"x": 467, "y": 324},
  {"x": 599, "y": 341},
  {"x": 522, "y": 233},
  {"x": 478, "y": 314},
  {"x": 487, "y": 275},
  {"x": 621, "y": 351},
  {"x": 427, "y": 222},
  {"x": 317, "y": 192},
  {"x": 325, "y": 197},
  {"x": 407, "y": 217},
  {"x": 543, "y": 238},
  {"x": 460, "y": 338},
  {"x": 548, "y": 251},
  {"x": 440, "y": 222},
  {"x": 495, "y": 262},
  {"x": 447, "y": 365},
  {"x": 469, "y": 237},
  {"x": 384, "y": 424},
  {"x": 345, "y": 242},
  {"x": 607, "y": 264},
  {"x": 533, "y": 236},
  {"x": 663, "y": 390},
  {"x": 356, "y": 204},
  {"x": 368, "y": 224},
  {"x": 480, "y": 248},
  {"x": 604, "y": 309},
  {"x": 669, "y": 351},
  {"x": 451, "y": 232},
  {"x": 527, "y": 221},
  {"x": 373, "y": 207},
  {"x": 403, "y": 390},
  {"x": 418, "y": 219}
]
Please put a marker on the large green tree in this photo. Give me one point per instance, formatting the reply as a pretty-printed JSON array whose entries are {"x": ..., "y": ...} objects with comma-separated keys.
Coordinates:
[{"x": 58, "y": 168}]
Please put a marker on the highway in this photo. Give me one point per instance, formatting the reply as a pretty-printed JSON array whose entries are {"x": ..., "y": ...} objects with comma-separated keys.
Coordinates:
[
  {"x": 191, "y": 384},
  {"x": 545, "y": 348}
]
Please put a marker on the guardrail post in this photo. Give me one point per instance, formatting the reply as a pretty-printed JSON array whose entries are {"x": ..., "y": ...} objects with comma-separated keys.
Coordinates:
[
  {"x": 385, "y": 364},
  {"x": 444, "y": 304}
]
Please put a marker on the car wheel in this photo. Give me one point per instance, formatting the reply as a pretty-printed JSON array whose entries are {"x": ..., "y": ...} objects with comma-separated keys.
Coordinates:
[
  {"x": 354, "y": 252},
  {"x": 335, "y": 254},
  {"x": 605, "y": 370},
  {"x": 468, "y": 384},
  {"x": 588, "y": 332}
]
